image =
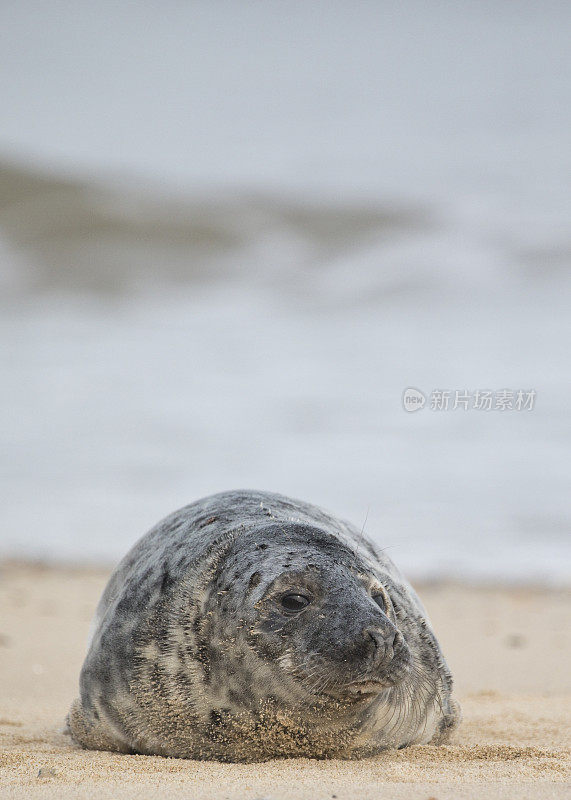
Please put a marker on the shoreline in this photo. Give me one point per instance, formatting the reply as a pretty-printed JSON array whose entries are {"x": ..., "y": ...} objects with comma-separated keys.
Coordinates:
[{"x": 508, "y": 648}]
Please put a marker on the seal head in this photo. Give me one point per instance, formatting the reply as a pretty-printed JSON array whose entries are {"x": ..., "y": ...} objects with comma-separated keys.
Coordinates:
[{"x": 317, "y": 615}]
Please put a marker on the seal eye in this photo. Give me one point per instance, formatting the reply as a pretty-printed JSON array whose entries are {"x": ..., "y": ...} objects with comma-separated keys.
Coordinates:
[
  {"x": 295, "y": 602},
  {"x": 380, "y": 601}
]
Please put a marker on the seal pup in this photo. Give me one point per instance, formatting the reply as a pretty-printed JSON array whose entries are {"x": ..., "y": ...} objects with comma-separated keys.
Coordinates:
[{"x": 249, "y": 626}]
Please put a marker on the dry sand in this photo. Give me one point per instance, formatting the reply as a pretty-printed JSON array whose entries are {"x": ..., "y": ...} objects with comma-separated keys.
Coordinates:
[{"x": 509, "y": 650}]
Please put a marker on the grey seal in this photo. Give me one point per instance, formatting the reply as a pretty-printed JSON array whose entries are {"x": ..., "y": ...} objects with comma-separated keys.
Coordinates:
[{"x": 249, "y": 626}]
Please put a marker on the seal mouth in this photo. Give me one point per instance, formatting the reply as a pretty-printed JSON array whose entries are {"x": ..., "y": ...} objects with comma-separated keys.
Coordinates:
[
  {"x": 367, "y": 688},
  {"x": 361, "y": 690}
]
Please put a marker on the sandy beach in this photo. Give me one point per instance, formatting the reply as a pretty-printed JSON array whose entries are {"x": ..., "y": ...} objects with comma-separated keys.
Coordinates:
[{"x": 509, "y": 650}]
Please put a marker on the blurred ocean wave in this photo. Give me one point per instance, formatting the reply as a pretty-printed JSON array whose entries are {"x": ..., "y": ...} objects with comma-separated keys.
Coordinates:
[
  {"x": 114, "y": 238},
  {"x": 111, "y": 239}
]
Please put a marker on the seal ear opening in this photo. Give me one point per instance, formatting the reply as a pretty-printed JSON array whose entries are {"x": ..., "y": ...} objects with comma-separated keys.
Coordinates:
[{"x": 254, "y": 581}]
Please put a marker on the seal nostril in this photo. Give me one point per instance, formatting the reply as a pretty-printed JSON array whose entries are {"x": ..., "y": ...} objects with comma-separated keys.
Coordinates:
[
  {"x": 385, "y": 644},
  {"x": 376, "y": 637}
]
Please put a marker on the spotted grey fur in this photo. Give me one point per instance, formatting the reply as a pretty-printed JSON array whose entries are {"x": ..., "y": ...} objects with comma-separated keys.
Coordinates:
[{"x": 192, "y": 655}]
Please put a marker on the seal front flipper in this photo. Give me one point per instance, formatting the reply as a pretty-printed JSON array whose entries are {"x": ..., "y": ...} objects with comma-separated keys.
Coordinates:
[
  {"x": 448, "y": 724},
  {"x": 92, "y": 733}
]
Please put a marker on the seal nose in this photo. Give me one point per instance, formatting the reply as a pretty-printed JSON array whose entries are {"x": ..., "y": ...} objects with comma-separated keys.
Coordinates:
[{"x": 383, "y": 643}]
